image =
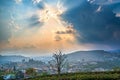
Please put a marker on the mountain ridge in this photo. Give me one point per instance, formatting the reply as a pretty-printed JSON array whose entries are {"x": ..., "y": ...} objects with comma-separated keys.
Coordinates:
[{"x": 90, "y": 55}]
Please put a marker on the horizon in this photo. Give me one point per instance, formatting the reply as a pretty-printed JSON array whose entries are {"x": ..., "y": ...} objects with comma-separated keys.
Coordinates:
[{"x": 48, "y": 55}]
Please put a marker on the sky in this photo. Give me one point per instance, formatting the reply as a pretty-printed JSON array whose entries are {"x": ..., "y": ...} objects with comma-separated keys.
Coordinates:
[{"x": 40, "y": 27}]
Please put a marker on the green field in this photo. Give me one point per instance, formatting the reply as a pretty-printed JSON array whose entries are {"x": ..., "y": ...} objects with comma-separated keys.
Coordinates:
[{"x": 81, "y": 76}]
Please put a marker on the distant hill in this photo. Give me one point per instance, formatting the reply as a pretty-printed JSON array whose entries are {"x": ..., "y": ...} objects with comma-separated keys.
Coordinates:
[
  {"x": 86, "y": 56},
  {"x": 11, "y": 58},
  {"x": 94, "y": 55},
  {"x": 115, "y": 51}
]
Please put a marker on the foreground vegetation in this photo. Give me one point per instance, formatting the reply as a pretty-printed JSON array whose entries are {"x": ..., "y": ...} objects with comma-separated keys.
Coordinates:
[
  {"x": 82, "y": 76},
  {"x": 110, "y": 75}
]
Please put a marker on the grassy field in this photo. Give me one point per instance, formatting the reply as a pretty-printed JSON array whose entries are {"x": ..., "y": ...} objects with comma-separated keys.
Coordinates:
[{"x": 82, "y": 76}]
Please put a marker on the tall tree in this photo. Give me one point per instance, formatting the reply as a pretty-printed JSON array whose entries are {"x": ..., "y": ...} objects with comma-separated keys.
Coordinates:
[{"x": 59, "y": 60}]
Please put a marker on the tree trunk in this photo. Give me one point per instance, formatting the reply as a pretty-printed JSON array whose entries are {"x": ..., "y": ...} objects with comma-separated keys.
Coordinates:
[{"x": 59, "y": 71}]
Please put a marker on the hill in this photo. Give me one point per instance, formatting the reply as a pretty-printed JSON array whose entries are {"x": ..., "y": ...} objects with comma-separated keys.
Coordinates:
[
  {"x": 81, "y": 76},
  {"x": 11, "y": 58},
  {"x": 94, "y": 55}
]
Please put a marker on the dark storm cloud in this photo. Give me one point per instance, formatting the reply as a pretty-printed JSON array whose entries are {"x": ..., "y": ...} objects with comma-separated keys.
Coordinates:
[
  {"x": 103, "y": 2},
  {"x": 95, "y": 27},
  {"x": 69, "y": 30},
  {"x": 114, "y": 4},
  {"x": 116, "y": 10}
]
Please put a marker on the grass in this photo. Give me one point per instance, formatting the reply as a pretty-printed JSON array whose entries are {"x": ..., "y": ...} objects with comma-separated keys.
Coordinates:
[{"x": 82, "y": 76}]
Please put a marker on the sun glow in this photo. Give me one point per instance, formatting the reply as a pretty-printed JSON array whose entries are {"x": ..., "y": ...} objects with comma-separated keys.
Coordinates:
[
  {"x": 50, "y": 12},
  {"x": 55, "y": 33}
]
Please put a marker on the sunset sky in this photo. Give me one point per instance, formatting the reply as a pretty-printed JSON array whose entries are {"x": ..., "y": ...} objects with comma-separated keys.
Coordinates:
[{"x": 40, "y": 27}]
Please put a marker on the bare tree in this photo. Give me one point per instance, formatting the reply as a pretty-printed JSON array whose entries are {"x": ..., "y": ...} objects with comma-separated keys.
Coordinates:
[{"x": 59, "y": 60}]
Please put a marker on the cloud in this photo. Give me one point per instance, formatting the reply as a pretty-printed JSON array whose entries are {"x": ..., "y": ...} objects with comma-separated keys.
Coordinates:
[
  {"x": 103, "y": 2},
  {"x": 99, "y": 9},
  {"x": 117, "y": 14},
  {"x": 93, "y": 27},
  {"x": 36, "y": 1},
  {"x": 91, "y": 1},
  {"x": 69, "y": 30},
  {"x": 18, "y": 1},
  {"x": 44, "y": 27},
  {"x": 116, "y": 10},
  {"x": 68, "y": 34},
  {"x": 58, "y": 38},
  {"x": 43, "y": 37},
  {"x": 34, "y": 21},
  {"x": 14, "y": 25}
]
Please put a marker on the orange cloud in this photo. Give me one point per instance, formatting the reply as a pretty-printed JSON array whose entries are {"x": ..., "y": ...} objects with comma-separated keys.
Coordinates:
[
  {"x": 45, "y": 37},
  {"x": 53, "y": 35}
]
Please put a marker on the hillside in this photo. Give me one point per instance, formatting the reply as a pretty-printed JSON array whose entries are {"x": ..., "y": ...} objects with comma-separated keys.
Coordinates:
[
  {"x": 81, "y": 76},
  {"x": 94, "y": 55},
  {"x": 86, "y": 56},
  {"x": 12, "y": 58}
]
